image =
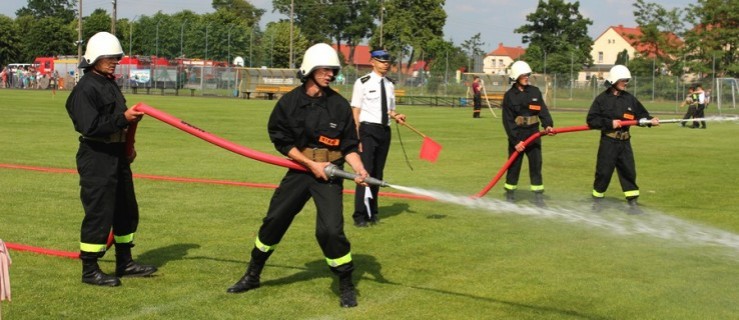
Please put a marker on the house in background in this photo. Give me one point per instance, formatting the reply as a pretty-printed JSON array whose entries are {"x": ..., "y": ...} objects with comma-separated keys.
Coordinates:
[
  {"x": 361, "y": 58},
  {"x": 613, "y": 41},
  {"x": 498, "y": 60}
]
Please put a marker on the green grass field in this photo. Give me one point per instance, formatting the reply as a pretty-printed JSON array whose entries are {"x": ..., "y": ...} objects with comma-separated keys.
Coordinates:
[{"x": 425, "y": 260}]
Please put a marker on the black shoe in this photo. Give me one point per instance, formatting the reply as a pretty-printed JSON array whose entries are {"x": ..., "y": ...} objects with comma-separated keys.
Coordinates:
[
  {"x": 510, "y": 196},
  {"x": 375, "y": 220},
  {"x": 361, "y": 224},
  {"x": 133, "y": 269},
  {"x": 246, "y": 283},
  {"x": 100, "y": 278},
  {"x": 539, "y": 200},
  {"x": 597, "y": 204},
  {"x": 347, "y": 295},
  {"x": 634, "y": 208}
]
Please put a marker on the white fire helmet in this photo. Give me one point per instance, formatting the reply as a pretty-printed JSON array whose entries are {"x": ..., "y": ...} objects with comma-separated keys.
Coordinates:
[
  {"x": 101, "y": 45},
  {"x": 517, "y": 69},
  {"x": 320, "y": 55},
  {"x": 618, "y": 72}
]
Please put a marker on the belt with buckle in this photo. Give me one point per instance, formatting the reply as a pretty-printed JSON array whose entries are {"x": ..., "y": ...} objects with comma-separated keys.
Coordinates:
[
  {"x": 619, "y": 135},
  {"x": 321, "y": 154},
  {"x": 526, "y": 121}
]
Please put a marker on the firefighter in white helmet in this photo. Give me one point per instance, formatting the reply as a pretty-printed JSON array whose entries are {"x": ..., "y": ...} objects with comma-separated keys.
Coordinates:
[
  {"x": 608, "y": 110},
  {"x": 99, "y": 113},
  {"x": 524, "y": 111},
  {"x": 313, "y": 125}
]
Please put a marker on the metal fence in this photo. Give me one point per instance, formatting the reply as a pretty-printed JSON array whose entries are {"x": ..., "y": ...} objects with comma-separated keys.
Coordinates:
[{"x": 418, "y": 87}]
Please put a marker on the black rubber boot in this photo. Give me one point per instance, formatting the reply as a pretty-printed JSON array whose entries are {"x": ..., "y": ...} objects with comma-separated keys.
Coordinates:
[
  {"x": 634, "y": 208},
  {"x": 597, "y": 204},
  {"x": 539, "y": 199},
  {"x": 126, "y": 267},
  {"x": 250, "y": 279},
  {"x": 91, "y": 273},
  {"x": 347, "y": 292},
  {"x": 510, "y": 195}
]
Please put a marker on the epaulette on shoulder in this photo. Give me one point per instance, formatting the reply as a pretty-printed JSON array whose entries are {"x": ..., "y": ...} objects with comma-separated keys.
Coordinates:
[
  {"x": 390, "y": 79},
  {"x": 364, "y": 79}
]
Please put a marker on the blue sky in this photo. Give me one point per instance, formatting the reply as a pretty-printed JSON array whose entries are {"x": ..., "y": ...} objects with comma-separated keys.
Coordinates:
[{"x": 495, "y": 20}]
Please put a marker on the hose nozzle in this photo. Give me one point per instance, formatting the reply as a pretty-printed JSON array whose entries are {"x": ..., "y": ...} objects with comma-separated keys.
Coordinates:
[{"x": 333, "y": 171}]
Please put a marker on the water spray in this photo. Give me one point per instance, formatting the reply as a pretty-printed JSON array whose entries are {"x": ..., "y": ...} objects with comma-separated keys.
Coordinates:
[{"x": 333, "y": 171}]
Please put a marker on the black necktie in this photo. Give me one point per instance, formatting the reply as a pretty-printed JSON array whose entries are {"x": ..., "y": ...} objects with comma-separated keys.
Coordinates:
[{"x": 383, "y": 96}]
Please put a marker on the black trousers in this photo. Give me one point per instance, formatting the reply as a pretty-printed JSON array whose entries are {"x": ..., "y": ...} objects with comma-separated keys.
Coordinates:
[
  {"x": 700, "y": 112},
  {"x": 294, "y": 191},
  {"x": 618, "y": 155},
  {"x": 533, "y": 154},
  {"x": 477, "y": 99},
  {"x": 690, "y": 114},
  {"x": 107, "y": 194},
  {"x": 375, "y": 148}
]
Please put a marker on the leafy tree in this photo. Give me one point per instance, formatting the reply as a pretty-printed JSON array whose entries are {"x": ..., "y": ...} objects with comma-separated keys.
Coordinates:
[
  {"x": 473, "y": 48},
  {"x": 622, "y": 58},
  {"x": 410, "y": 25},
  {"x": 96, "y": 22},
  {"x": 445, "y": 59},
  {"x": 337, "y": 21},
  {"x": 48, "y": 36},
  {"x": 246, "y": 12},
  {"x": 9, "y": 41},
  {"x": 715, "y": 35},
  {"x": 61, "y": 9},
  {"x": 558, "y": 35},
  {"x": 659, "y": 42},
  {"x": 310, "y": 16},
  {"x": 276, "y": 44}
]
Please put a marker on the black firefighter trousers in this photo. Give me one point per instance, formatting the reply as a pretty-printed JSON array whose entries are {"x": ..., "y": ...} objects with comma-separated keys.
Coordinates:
[
  {"x": 107, "y": 194},
  {"x": 618, "y": 155},
  {"x": 294, "y": 191}
]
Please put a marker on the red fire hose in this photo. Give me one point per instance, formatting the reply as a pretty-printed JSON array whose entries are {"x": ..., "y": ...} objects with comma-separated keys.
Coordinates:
[{"x": 526, "y": 142}]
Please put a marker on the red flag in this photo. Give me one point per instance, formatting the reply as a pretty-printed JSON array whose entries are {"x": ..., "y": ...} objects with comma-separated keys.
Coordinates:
[{"x": 429, "y": 150}]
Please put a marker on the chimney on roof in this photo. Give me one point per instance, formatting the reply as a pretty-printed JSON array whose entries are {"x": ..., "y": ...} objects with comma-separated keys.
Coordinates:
[{"x": 500, "y": 44}]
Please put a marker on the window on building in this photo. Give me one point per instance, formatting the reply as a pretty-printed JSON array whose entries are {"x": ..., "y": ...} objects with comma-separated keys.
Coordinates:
[{"x": 600, "y": 56}]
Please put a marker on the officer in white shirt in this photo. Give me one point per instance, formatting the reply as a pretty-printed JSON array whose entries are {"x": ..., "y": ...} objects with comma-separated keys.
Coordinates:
[{"x": 373, "y": 104}]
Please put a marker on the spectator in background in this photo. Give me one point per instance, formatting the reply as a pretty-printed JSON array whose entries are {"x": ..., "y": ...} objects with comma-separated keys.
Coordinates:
[
  {"x": 476, "y": 96},
  {"x": 4, "y": 77},
  {"x": 700, "y": 111}
]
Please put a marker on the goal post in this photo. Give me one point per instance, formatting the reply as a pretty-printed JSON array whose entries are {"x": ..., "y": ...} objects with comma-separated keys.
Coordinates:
[{"x": 725, "y": 95}]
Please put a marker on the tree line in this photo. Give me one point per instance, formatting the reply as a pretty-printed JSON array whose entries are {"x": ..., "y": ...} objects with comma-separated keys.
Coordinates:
[{"x": 556, "y": 34}]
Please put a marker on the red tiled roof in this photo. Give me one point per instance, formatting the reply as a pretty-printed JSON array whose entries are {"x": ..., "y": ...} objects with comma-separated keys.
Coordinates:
[
  {"x": 361, "y": 54},
  {"x": 511, "y": 52},
  {"x": 632, "y": 36}
]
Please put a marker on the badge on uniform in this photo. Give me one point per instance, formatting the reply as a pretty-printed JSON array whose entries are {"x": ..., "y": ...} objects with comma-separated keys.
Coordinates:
[
  {"x": 628, "y": 116},
  {"x": 328, "y": 141}
]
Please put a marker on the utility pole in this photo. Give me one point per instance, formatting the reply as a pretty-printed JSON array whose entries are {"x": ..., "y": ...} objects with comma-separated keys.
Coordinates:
[
  {"x": 382, "y": 15},
  {"x": 79, "y": 33},
  {"x": 114, "y": 18},
  {"x": 292, "y": 9}
]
